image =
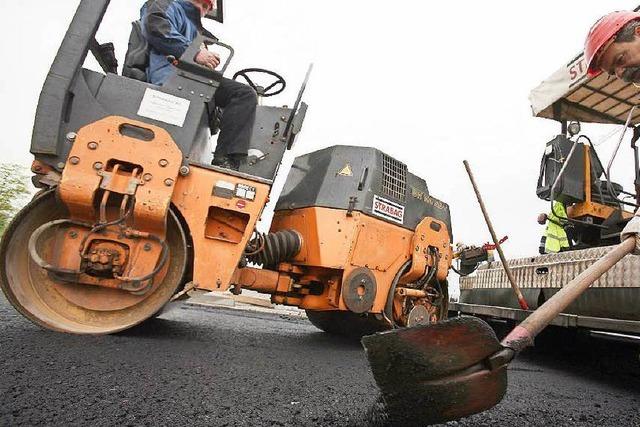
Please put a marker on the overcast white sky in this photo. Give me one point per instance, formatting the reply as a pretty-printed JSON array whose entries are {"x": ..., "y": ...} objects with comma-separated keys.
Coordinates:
[{"x": 430, "y": 83}]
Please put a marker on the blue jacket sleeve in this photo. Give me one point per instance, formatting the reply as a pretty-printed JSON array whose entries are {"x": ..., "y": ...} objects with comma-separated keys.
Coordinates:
[{"x": 160, "y": 25}]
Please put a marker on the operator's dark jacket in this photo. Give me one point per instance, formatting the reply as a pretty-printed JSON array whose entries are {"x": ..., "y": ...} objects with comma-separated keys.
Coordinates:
[{"x": 169, "y": 27}]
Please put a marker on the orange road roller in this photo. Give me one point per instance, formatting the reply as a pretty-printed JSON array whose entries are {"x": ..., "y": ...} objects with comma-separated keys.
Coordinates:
[{"x": 131, "y": 212}]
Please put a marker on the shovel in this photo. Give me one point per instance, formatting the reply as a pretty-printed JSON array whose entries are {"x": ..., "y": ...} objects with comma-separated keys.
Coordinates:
[{"x": 445, "y": 371}]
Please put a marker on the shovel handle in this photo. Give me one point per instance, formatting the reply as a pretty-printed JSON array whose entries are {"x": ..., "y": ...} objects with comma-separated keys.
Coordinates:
[{"x": 522, "y": 336}]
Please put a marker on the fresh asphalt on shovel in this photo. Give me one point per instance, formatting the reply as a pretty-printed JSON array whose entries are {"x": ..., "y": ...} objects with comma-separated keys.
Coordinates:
[{"x": 445, "y": 371}]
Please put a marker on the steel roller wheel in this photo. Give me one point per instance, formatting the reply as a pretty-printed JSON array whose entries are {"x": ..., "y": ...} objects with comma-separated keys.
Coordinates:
[
  {"x": 77, "y": 308},
  {"x": 346, "y": 323}
]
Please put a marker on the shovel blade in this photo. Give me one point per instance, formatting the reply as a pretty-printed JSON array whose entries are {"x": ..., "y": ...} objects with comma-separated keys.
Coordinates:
[{"x": 436, "y": 373}]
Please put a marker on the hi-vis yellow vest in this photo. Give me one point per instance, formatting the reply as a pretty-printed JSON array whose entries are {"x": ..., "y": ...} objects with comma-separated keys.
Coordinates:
[{"x": 555, "y": 234}]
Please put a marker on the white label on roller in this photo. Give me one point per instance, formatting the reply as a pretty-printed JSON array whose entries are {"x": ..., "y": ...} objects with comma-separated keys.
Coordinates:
[
  {"x": 164, "y": 108},
  {"x": 387, "y": 209},
  {"x": 226, "y": 185}
]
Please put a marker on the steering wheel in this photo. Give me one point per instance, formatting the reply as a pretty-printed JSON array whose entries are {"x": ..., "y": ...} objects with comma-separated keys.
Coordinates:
[{"x": 267, "y": 91}]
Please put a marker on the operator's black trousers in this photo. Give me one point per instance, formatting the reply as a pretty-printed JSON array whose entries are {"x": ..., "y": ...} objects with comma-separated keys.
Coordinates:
[{"x": 238, "y": 102}]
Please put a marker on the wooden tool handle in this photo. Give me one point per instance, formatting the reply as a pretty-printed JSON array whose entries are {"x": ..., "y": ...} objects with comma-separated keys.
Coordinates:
[{"x": 521, "y": 301}]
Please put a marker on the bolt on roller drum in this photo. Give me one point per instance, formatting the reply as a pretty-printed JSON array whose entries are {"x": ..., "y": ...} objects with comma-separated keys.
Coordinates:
[{"x": 73, "y": 307}]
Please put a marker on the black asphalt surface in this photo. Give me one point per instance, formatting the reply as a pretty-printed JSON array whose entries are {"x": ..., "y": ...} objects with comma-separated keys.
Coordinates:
[{"x": 204, "y": 366}]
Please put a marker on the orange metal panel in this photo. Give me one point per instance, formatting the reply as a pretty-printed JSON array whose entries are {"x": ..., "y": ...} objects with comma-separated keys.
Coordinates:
[
  {"x": 383, "y": 248},
  {"x": 328, "y": 234},
  {"x": 100, "y": 145},
  {"x": 107, "y": 159},
  {"x": 430, "y": 233},
  {"x": 226, "y": 225},
  {"x": 216, "y": 255},
  {"x": 336, "y": 241},
  {"x": 595, "y": 210},
  {"x": 379, "y": 245},
  {"x": 587, "y": 173}
]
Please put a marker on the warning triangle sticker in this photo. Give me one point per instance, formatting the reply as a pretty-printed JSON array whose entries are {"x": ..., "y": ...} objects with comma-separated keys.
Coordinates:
[{"x": 346, "y": 171}]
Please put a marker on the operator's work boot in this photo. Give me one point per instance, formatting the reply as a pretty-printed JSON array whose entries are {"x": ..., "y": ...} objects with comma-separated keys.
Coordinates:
[
  {"x": 231, "y": 162},
  {"x": 225, "y": 163}
]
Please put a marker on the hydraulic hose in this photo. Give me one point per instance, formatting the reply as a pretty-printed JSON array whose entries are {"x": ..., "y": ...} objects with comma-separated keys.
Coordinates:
[{"x": 269, "y": 250}]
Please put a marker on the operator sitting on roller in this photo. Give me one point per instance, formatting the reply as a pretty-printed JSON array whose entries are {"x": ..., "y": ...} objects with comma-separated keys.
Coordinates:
[
  {"x": 613, "y": 46},
  {"x": 169, "y": 27}
]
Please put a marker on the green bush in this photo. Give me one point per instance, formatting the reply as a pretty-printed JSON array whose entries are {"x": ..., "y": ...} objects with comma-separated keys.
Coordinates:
[{"x": 14, "y": 191}]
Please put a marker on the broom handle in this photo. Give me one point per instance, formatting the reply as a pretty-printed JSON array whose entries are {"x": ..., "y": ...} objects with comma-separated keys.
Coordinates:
[{"x": 521, "y": 301}]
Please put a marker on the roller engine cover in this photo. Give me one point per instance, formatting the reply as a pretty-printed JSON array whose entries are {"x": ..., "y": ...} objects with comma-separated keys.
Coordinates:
[{"x": 361, "y": 179}]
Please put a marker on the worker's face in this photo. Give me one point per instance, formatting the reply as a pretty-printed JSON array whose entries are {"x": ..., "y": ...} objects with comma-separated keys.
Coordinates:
[
  {"x": 204, "y": 6},
  {"x": 623, "y": 60}
]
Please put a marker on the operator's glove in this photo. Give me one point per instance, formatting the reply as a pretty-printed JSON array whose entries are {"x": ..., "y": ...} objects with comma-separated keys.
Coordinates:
[{"x": 632, "y": 230}]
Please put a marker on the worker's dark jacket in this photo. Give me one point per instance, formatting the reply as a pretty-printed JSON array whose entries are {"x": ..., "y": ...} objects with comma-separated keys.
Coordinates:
[{"x": 169, "y": 27}]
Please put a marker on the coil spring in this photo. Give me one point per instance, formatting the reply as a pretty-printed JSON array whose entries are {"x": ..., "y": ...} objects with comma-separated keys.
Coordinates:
[{"x": 268, "y": 250}]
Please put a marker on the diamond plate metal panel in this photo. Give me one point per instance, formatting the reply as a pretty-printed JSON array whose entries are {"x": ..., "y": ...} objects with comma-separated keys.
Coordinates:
[{"x": 554, "y": 271}]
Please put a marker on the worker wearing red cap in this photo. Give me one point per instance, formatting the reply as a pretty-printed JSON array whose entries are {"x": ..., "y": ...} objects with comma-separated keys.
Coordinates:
[
  {"x": 170, "y": 26},
  {"x": 613, "y": 46}
]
